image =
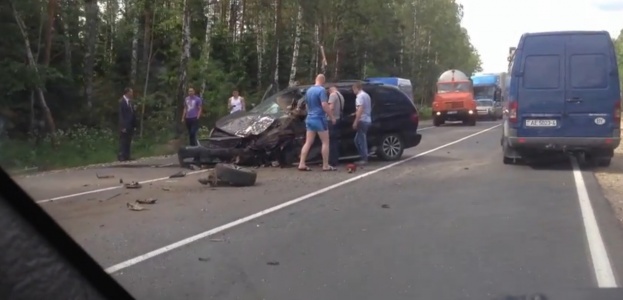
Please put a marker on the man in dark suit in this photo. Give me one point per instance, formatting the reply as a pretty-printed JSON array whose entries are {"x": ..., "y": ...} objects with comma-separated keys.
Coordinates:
[{"x": 127, "y": 123}]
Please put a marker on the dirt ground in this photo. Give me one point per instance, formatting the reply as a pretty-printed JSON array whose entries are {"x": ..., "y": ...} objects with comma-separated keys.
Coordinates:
[{"x": 611, "y": 180}]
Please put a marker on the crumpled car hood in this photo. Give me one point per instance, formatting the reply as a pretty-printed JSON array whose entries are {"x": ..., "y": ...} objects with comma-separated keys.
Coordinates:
[{"x": 245, "y": 124}]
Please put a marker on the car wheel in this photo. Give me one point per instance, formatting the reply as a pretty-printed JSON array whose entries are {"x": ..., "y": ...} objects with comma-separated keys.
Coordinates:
[
  {"x": 235, "y": 175},
  {"x": 508, "y": 160},
  {"x": 391, "y": 147},
  {"x": 604, "y": 162},
  {"x": 472, "y": 122}
]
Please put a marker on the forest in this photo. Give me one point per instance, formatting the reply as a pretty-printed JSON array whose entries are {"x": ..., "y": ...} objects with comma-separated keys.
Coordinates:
[{"x": 65, "y": 63}]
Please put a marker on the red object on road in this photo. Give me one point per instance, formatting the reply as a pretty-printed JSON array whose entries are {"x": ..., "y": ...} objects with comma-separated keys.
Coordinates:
[{"x": 351, "y": 168}]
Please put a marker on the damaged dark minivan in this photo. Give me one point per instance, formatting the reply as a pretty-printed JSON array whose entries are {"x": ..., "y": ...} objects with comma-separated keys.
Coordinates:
[{"x": 273, "y": 132}]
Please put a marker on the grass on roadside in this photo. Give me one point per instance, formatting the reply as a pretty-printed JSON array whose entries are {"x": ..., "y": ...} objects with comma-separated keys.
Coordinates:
[
  {"x": 425, "y": 113},
  {"x": 77, "y": 147}
]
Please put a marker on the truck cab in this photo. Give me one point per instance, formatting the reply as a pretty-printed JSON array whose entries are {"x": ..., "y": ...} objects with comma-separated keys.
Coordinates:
[{"x": 454, "y": 99}]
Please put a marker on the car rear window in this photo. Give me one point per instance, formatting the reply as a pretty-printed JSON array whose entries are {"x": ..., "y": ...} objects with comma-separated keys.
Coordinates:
[
  {"x": 588, "y": 71},
  {"x": 541, "y": 72},
  {"x": 393, "y": 99}
]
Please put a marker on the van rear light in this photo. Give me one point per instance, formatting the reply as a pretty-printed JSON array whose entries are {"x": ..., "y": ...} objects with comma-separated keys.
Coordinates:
[
  {"x": 617, "y": 113},
  {"x": 512, "y": 111}
]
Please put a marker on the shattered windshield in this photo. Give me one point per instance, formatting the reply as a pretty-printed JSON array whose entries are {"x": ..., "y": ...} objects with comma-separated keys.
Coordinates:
[
  {"x": 453, "y": 87},
  {"x": 277, "y": 103}
]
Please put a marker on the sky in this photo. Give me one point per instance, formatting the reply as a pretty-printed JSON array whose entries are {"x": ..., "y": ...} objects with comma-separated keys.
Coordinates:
[{"x": 496, "y": 25}]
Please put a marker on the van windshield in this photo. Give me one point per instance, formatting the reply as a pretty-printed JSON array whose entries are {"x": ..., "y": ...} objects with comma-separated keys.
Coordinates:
[
  {"x": 484, "y": 92},
  {"x": 451, "y": 87}
]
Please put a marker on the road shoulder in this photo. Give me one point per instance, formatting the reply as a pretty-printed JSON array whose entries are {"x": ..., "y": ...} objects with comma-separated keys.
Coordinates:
[{"x": 611, "y": 181}]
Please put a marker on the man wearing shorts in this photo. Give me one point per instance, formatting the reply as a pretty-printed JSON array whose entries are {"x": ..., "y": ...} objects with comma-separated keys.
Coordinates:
[{"x": 319, "y": 114}]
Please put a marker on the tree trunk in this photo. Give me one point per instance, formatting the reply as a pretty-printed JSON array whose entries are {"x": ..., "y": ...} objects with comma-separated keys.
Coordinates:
[
  {"x": 148, "y": 15},
  {"x": 92, "y": 24},
  {"x": 182, "y": 77},
  {"x": 208, "y": 10},
  {"x": 278, "y": 31},
  {"x": 135, "y": 32},
  {"x": 150, "y": 50},
  {"x": 297, "y": 46},
  {"x": 33, "y": 64},
  {"x": 49, "y": 30},
  {"x": 260, "y": 46},
  {"x": 67, "y": 37}
]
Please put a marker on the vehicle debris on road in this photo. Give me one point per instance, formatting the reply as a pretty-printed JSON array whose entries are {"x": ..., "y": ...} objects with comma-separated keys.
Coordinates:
[
  {"x": 133, "y": 185},
  {"x": 104, "y": 176},
  {"x": 178, "y": 174},
  {"x": 135, "y": 206},
  {"x": 229, "y": 174},
  {"x": 147, "y": 201}
]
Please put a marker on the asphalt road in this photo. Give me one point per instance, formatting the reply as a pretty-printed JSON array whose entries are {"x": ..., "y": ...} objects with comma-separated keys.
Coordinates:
[{"x": 452, "y": 223}]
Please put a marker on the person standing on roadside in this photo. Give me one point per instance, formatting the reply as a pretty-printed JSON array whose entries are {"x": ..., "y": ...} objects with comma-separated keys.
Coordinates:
[
  {"x": 236, "y": 103},
  {"x": 190, "y": 116},
  {"x": 318, "y": 111},
  {"x": 127, "y": 123},
  {"x": 336, "y": 104},
  {"x": 362, "y": 121}
]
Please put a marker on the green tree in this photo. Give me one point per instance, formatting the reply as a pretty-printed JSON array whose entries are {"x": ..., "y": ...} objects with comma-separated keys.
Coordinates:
[{"x": 86, "y": 52}]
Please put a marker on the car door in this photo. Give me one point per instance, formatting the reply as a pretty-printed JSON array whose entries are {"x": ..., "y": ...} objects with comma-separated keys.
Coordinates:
[
  {"x": 591, "y": 83},
  {"x": 541, "y": 92}
]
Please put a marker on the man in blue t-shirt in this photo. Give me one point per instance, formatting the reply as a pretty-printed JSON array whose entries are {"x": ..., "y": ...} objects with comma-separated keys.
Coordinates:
[{"x": 319, "y": 113}]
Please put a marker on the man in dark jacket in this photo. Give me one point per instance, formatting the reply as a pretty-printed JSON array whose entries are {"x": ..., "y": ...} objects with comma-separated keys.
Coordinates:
[{"x": 127, "y": 123}]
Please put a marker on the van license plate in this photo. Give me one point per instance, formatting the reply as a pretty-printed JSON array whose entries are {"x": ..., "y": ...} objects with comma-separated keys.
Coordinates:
[
  {"x": 453, "y": 112},
  {"x": 541, "y": 123}
]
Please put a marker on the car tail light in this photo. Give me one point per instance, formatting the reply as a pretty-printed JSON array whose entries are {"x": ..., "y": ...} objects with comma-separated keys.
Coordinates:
[
  {"x": 512, "y": 111},
  {"x": 617, "y": 113},
  {"x": 415, "y": 118}
]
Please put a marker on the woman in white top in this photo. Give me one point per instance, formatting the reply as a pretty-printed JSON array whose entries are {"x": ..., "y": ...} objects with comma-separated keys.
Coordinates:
[{"x": 236, "y": 103}]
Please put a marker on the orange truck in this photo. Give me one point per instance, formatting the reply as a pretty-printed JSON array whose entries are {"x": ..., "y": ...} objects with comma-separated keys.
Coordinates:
[{"x": 454, "y": 99}]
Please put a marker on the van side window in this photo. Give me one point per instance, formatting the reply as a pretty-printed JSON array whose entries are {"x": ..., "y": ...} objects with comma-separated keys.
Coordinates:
[
  {"x": 588, "y": 71},
  {"x": 541, "y": 72}
]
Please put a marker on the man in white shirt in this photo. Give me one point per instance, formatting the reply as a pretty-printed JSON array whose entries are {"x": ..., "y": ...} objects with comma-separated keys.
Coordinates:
[{"x": 363, "y": 120}]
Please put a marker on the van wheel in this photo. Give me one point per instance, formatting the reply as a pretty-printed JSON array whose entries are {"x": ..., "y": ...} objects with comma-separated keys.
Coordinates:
[{"x": 391, "y": 147}]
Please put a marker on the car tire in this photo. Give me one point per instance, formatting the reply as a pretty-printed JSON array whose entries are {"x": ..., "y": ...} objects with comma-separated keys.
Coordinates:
[
  {"x": 437, "y": 122},
  {"x": 235, "y": 175},
  {"x": 472, "y": 122},
  {"x": 391, "y": 147},
  {"x": 508, "y": 161}
]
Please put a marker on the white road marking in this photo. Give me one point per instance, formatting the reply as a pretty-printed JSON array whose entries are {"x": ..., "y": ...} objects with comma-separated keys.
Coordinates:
[
  {"x": 110, "y": 188},
  {"x": 599, "y": 254},
  {"x": 141, "y": 182},
  {"x": 224, "y": 227}
]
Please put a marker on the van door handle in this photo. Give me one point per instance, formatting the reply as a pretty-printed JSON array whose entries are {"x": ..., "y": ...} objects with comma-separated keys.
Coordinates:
[{"x": 574, "y": 100}]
